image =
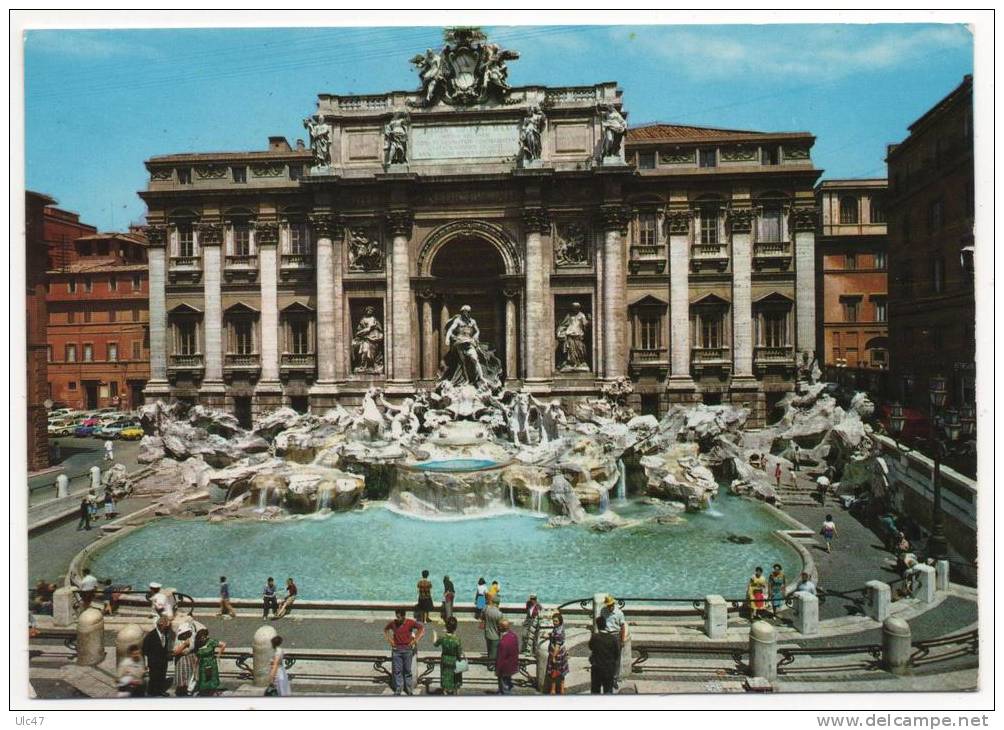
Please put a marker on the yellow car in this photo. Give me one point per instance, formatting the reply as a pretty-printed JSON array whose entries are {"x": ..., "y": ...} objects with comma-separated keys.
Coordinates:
[{"x": 132, "y": 433}]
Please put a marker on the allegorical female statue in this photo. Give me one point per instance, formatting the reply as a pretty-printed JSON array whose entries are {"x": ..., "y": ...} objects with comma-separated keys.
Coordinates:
[
  {"x": 614, "y": 128},
  {"x": 572, "y": 340},
  {"x": 395, "y": 136},
  {"x": 367, "y": 344},
  {"x": 530, "y": 131},
  {"x": 320, "y": 139},
  {"x": 468, "y": 361}
]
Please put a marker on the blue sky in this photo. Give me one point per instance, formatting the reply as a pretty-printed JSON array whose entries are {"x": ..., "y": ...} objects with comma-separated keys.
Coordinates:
[{"x": 98, "y": 103}]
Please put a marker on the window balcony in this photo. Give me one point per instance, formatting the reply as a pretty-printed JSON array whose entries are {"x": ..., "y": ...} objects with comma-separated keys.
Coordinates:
[
  {"x": 184, "y": 269},
  {"x": 774, "y": 358},
  {"x": 772, "y": 254},
  {"x": 704, "y": 359},
  {"x": 647, "y": 257},
  {"x": 190, "y": 366},
  {"x": 241, "y": 268},
  {"x": 649, "y": 359},
  {"x": 300, "y": 363},
  {"x": 248, "y": 365},
  {"x": 296, "y": 266},
  {"x": 709, "y": 256}
]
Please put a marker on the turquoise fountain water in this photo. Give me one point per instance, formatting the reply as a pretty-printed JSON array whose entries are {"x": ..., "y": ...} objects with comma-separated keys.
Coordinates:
[{"x": 374, "y": 554}]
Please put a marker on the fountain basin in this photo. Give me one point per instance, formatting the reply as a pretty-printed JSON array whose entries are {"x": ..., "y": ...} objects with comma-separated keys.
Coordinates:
[{"x": 457, "y": 465}]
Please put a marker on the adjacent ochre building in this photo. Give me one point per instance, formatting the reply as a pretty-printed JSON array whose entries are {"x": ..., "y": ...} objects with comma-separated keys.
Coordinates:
[
  {"x": 931, "y": 210},
  {"x": 851, "y": 290},
  {"x": 304, "y": 275}
]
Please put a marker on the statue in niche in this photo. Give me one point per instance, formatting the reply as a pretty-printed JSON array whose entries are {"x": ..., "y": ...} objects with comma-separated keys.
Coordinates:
[
  {"x": 468, "y": 361},
  {"x": 614, "y": 127},
  {"x": 530, "y": 131},
  {"x": 570, "y": 248},
  {"x": 320, "y": 139},
  {"x": 365, "y": 254},
  {"x": 572, "y": 341},
  {"x": 367, "y": 343},
  {"x": 395, "y": 140}
]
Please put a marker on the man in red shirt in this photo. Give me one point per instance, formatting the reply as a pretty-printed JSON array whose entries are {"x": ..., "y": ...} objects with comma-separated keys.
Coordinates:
[
  {"x": 507, "y": 661},
  {"x": 403, "y": 635}
]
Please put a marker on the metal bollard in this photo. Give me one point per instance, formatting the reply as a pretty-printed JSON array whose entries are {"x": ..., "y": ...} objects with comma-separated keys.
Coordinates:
[
  {"x": 127, "y": 636},
  {"x": 877, "y": 600},
  {"x": 763, "y": 651},
  {"x": 942, "y": 575},
  {"x": 95, "y": 478},
  {"x": 62, "y": 486},
  {"x": 896, "y": 646},
  {"x": 90, "y": 637},
  {"x": 806, "y": 613},
  {"x": 261, "y": 648},
  {"x": 716, "y": 617},
  {"x": 62, "y": 606}
]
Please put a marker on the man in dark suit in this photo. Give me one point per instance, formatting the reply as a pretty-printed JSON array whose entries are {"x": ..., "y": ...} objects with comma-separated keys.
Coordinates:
[{"x": 157, "y": 648}]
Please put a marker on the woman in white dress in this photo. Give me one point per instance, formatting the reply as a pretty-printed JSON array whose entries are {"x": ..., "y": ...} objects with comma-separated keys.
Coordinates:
[{"x": 277, "y": 672}]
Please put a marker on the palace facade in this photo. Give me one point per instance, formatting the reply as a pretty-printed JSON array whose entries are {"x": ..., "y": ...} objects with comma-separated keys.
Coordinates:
[{"x": 304, "y": 275}]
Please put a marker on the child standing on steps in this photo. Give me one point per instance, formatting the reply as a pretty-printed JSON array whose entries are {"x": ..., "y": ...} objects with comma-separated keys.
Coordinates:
[{"x": 829, "y": 531}]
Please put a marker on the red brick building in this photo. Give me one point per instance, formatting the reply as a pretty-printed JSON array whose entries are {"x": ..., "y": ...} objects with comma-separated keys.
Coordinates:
[
  {"x": 35, "y": 325},
  {"x": 98, "y": 322},
  {"x": 932, "y": 302},
  {"x": 60, "y": 229}
]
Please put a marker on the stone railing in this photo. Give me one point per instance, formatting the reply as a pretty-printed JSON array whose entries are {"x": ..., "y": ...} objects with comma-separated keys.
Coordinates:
[
  {"x": 242, "y": 262},
  {"x": 242, "y": 362},
  {"x": 710, "y": 355},
  {"x": 774, "y": 356},
  {"x": 297, "y": 261},
  {"x": 772, "y": 253},
  {"x": 357, "y": 103},
  {"x": 186, "y": 262},
  {"x": 646, "y": 256},
  {"x": 657, "y": 354},
  {"x": 186, "y": 362},
  {"x": 570, "y": 94},
  {"x": 297, "y": 361},
  {"x": 711, "y": 255}
]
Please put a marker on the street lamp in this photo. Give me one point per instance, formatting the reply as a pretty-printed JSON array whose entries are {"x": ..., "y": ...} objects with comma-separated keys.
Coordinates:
[{"x": 946, "y": 427}]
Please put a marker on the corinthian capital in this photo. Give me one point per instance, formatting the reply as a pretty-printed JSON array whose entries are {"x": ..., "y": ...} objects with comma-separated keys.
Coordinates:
[
  {"x": 536, "y": 220},
  {"x": 678, "y": 221},
  {"x": 804, "y": 218},
  {"x": 399, "y": 222},
  {"x": 156, "y": 235},
  {"x": 210, "y": 234},
  {"x": 615, "y": 218},
  {"x": 740, "y": 220},
  {"x": 266, "y": 233},
  {"x": 326, "y": 225}
]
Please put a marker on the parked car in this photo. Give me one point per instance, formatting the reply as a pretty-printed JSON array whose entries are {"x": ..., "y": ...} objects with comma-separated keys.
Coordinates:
[
  {"x": 131, "y": 433},
  {"x": 91, "y": 421},
  {"x": 84, "y": 431},
  {"x": 112, "y": 430},
  {"x": 58, "y": 429}
]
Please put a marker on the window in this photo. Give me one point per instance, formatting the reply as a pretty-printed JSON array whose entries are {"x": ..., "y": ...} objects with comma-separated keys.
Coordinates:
[
  {"x": 102, "y": 248},
  {"x": 708, "y": 221},
  {"x": 113, "y": 388},
  {"x": 938, "y": 275},
  {"x": 935, "y": 215},
  {"x": 48, "y": 353},
  {"x": 851, "y": 307},
  {"x": 769, "y": 224},
  {"x": 646, "y": 229},
  {"x": 774, "y": 329},
  {"x": 646, "y": 160},
  {"x": 877, "y": 210},
  {"x": 848, "y": 209},
  {"x": 243, "y": 337},
  {"x": 112, "y": 315},
  {"x": 72, "y": 385},
  {"x": 113, "y": 352},
  {"x": 708, "y": 325},
  {"x": 881, "y": 262},
  {"x": 113, "y": 283},
  {"x": 242, "y": 240},
  {"x": 707, "y": 157},
  {"x": 770, "y": 156},
  {"x": 881, "y": 314},
  {"x": 137, "y": 350},
  {"x": 851, "y": 261},
  {"x": 240, "y": 173},
  {"x": 71, "y": 286},
  {"x": 295, "y": 172},
  {"x": 299, "y": 336},
  {"x": 137, "y": 282},
  {"x": 186, "y": 334},
  {"x": 71, "y": 316},
  {"x": 135, "y": 315},
  {"x": 184, "y": 176},
  {"x": 88, "y": 284},
  {"x": 88, "y": 352},
  {"x": 880, "y": 358},
  {"x": 649, "y": 331},
  {"x": 710, "y": 333},
  {"x": 85, "y": 248},
  {"x": 298, "y": 243},
  {"x": 186, "y": 241}
]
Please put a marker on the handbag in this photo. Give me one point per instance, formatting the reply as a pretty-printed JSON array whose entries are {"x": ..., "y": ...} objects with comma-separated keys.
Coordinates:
[
  {"x": 271, "y": 691},
  {"x": 461, "y": 666}
]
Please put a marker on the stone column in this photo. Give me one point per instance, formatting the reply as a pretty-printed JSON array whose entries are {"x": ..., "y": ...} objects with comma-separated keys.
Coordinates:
[
  {"x": 430, "y": 336},
  {"x": 399, "y": 224},
  {"x": 326, "y": 229},
  {"x": 539, "y": 361},
  {"x": 741, "y": 223},
  {"x": 157, "y": 386},
  {"x": 268, "y": 392},
  {"x": 803, "y": 222},
  {"x": 511, "y": 335},
  {"x": 210, "y": 243},
  {"x": 680, "y": 384},
  {"x": 614, "y": 220}
]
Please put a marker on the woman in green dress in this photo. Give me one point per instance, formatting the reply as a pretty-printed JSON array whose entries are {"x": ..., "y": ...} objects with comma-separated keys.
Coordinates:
[
  {"x": 208, "y": 651},
  {"x": 453, "y": 652}
]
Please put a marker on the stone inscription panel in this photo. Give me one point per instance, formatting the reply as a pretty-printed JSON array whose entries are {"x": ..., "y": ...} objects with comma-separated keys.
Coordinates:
[{"x": 455, "y": 142}]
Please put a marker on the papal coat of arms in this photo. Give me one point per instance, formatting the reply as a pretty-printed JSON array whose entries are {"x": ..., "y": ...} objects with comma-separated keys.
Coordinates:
[{"x": 468, "y": 70}]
